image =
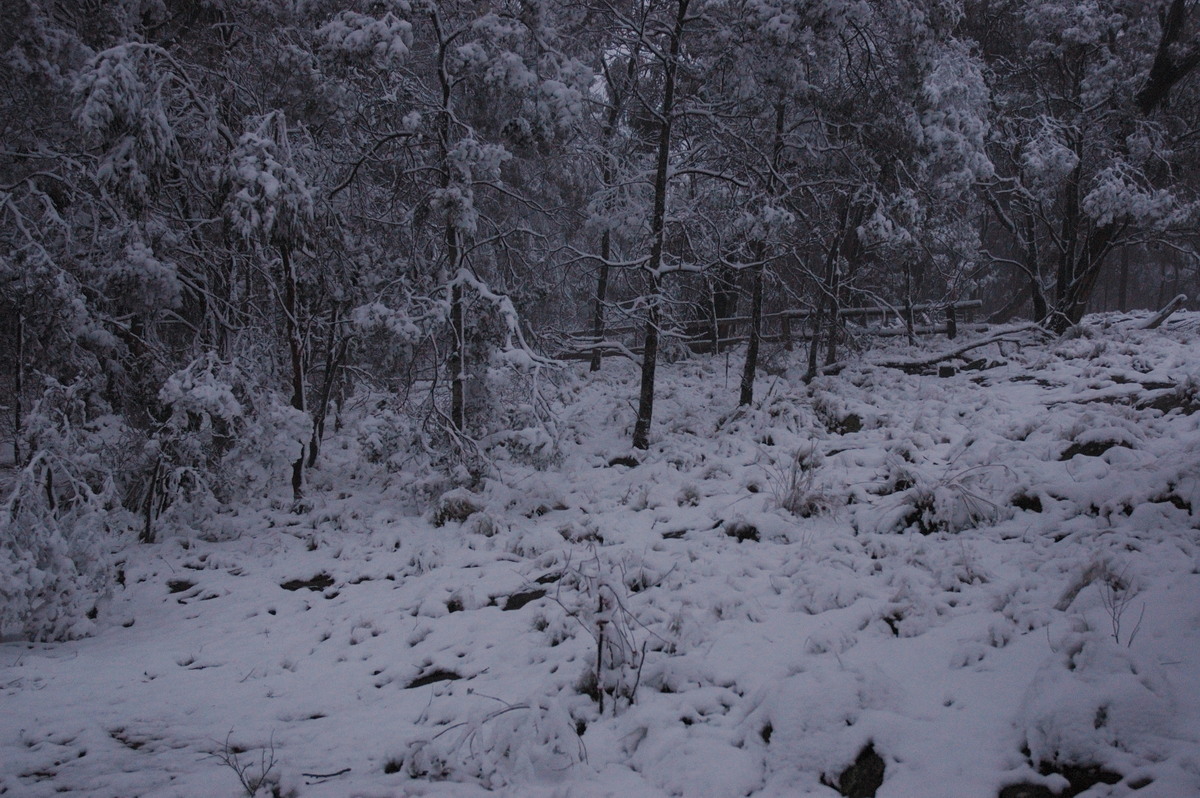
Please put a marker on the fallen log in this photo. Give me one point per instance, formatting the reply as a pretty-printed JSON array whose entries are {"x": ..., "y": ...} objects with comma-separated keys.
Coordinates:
[
  {"x": 1155, "y": 321},
  {"x": 916, "y": 366}
]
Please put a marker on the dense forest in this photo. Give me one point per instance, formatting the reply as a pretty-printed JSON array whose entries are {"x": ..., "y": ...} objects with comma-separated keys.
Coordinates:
[{"x": 223, "y": 222}]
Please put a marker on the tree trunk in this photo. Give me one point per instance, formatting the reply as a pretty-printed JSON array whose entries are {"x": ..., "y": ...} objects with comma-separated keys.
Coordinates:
[
  {"x": 1069, "y": 233},
  {"x": 814, "y": 344},
  {"x": 645, "y": 412},
  {"x": 910, "y": 323},
  {"x": 756, "y": 303},
  {"x": 1034, "y": 269},
  {"x": 723, "y": 307},
  {"x": 457, "y": 360},
  {"x": 1085, "y": 270},
  {"x": 850, "y": 250},
  {"x": 296, "y": 351},
  {"x": 334, "y": 356},
  {"x": 458, "y": 401},
  {"x": 1123, "y": 284},
  {"x": 641, "y": 427},
  {"x": 18, "y": 389},
  {"x": 601, "y": 298},
  {"x": 759, "y": 253},
  {"x": 610, "y": 126},
  {"x": 1172, "y": 62},
  {"x": 147, "y": 535},
  {"x": 1040, "y": 309}
]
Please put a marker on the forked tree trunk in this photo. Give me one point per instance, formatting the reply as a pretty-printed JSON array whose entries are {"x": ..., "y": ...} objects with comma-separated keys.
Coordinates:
[
  {"x": 334, "y": 357},
  {"x": 1081, "y": 276}
]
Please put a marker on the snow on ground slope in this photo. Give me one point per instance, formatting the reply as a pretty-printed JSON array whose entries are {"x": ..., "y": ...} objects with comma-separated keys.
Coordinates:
[{"x": 983, "y": 580}]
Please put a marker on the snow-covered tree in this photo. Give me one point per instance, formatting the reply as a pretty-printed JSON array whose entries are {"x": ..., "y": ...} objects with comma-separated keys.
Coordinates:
[
  {"x": 1088, "y": 149},
  {"x": 473, "y": 96}
]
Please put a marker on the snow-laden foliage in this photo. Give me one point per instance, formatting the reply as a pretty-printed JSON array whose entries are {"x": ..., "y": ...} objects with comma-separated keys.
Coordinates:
[
  {"x": 1115, "y": 196},
  {"x": 1046, "y": 161},
  {"x": 141, "y": 280},
  {"x": 121, "y": 102},
  {"x": 953, "y": 119},
  {"x": 386, "y": 38},
  {"x": 56, "y": 524},
  {"x": 225, "y": 435},
  {"x": 54, "y": 564},
  {"x": 269, "y": 196}
]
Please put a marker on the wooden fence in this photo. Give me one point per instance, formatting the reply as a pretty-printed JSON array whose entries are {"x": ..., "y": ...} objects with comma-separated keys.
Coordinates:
[{"x": 786, "y": 327}]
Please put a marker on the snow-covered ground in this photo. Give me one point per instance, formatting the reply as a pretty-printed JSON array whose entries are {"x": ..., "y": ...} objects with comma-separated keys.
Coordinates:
[{"x": 987, "y": 579}]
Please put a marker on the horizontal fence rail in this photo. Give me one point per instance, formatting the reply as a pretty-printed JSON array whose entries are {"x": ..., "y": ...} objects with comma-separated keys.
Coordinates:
[{"x": 786, "y": 327}]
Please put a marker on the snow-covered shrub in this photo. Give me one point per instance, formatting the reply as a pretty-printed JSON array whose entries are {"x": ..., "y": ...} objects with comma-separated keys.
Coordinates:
[
  {"x": 1092, "y": 434},
  {"x": 596, "y": 594},
  {"x": 957, "y": 500},
  {"x": 510, "y": 399},
  {"x": 1096, "y": 703},
  {"x": 523, "y": 433},
  {"x": 688, "y": 495},
  {"x": 205, "y": 418},
  {"x": 386, "y": 435},
  {"x": 457, "y": 505},
  {"x": 225, "y": 432},
  {"x": 517, "y": 742},
  {"x": 224, "y": 435},
  {"x": 898, "y": 470},
  {"x": 835, "y": 414},
  {"x": 58, "y": 524},
  {"x": 794, "y": 486}
]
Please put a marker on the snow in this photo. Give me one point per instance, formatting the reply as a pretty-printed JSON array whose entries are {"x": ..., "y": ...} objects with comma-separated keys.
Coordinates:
[{"x": 1050, "y": 615}]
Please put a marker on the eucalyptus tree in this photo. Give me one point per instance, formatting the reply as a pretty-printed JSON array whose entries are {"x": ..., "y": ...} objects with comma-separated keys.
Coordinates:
[
  {"x": 657, "y": 56},
  {"x": 1090, "y": 152},
  {"x": 783, "y": 56},
  {"x": 876, "y": 111},
  {"x": 456, "y": 94}
]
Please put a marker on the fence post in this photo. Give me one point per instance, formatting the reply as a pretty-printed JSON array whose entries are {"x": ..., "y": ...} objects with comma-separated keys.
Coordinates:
[
  {"x": 951, "y": 322},
  {"x": 787, "y": 332}
]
